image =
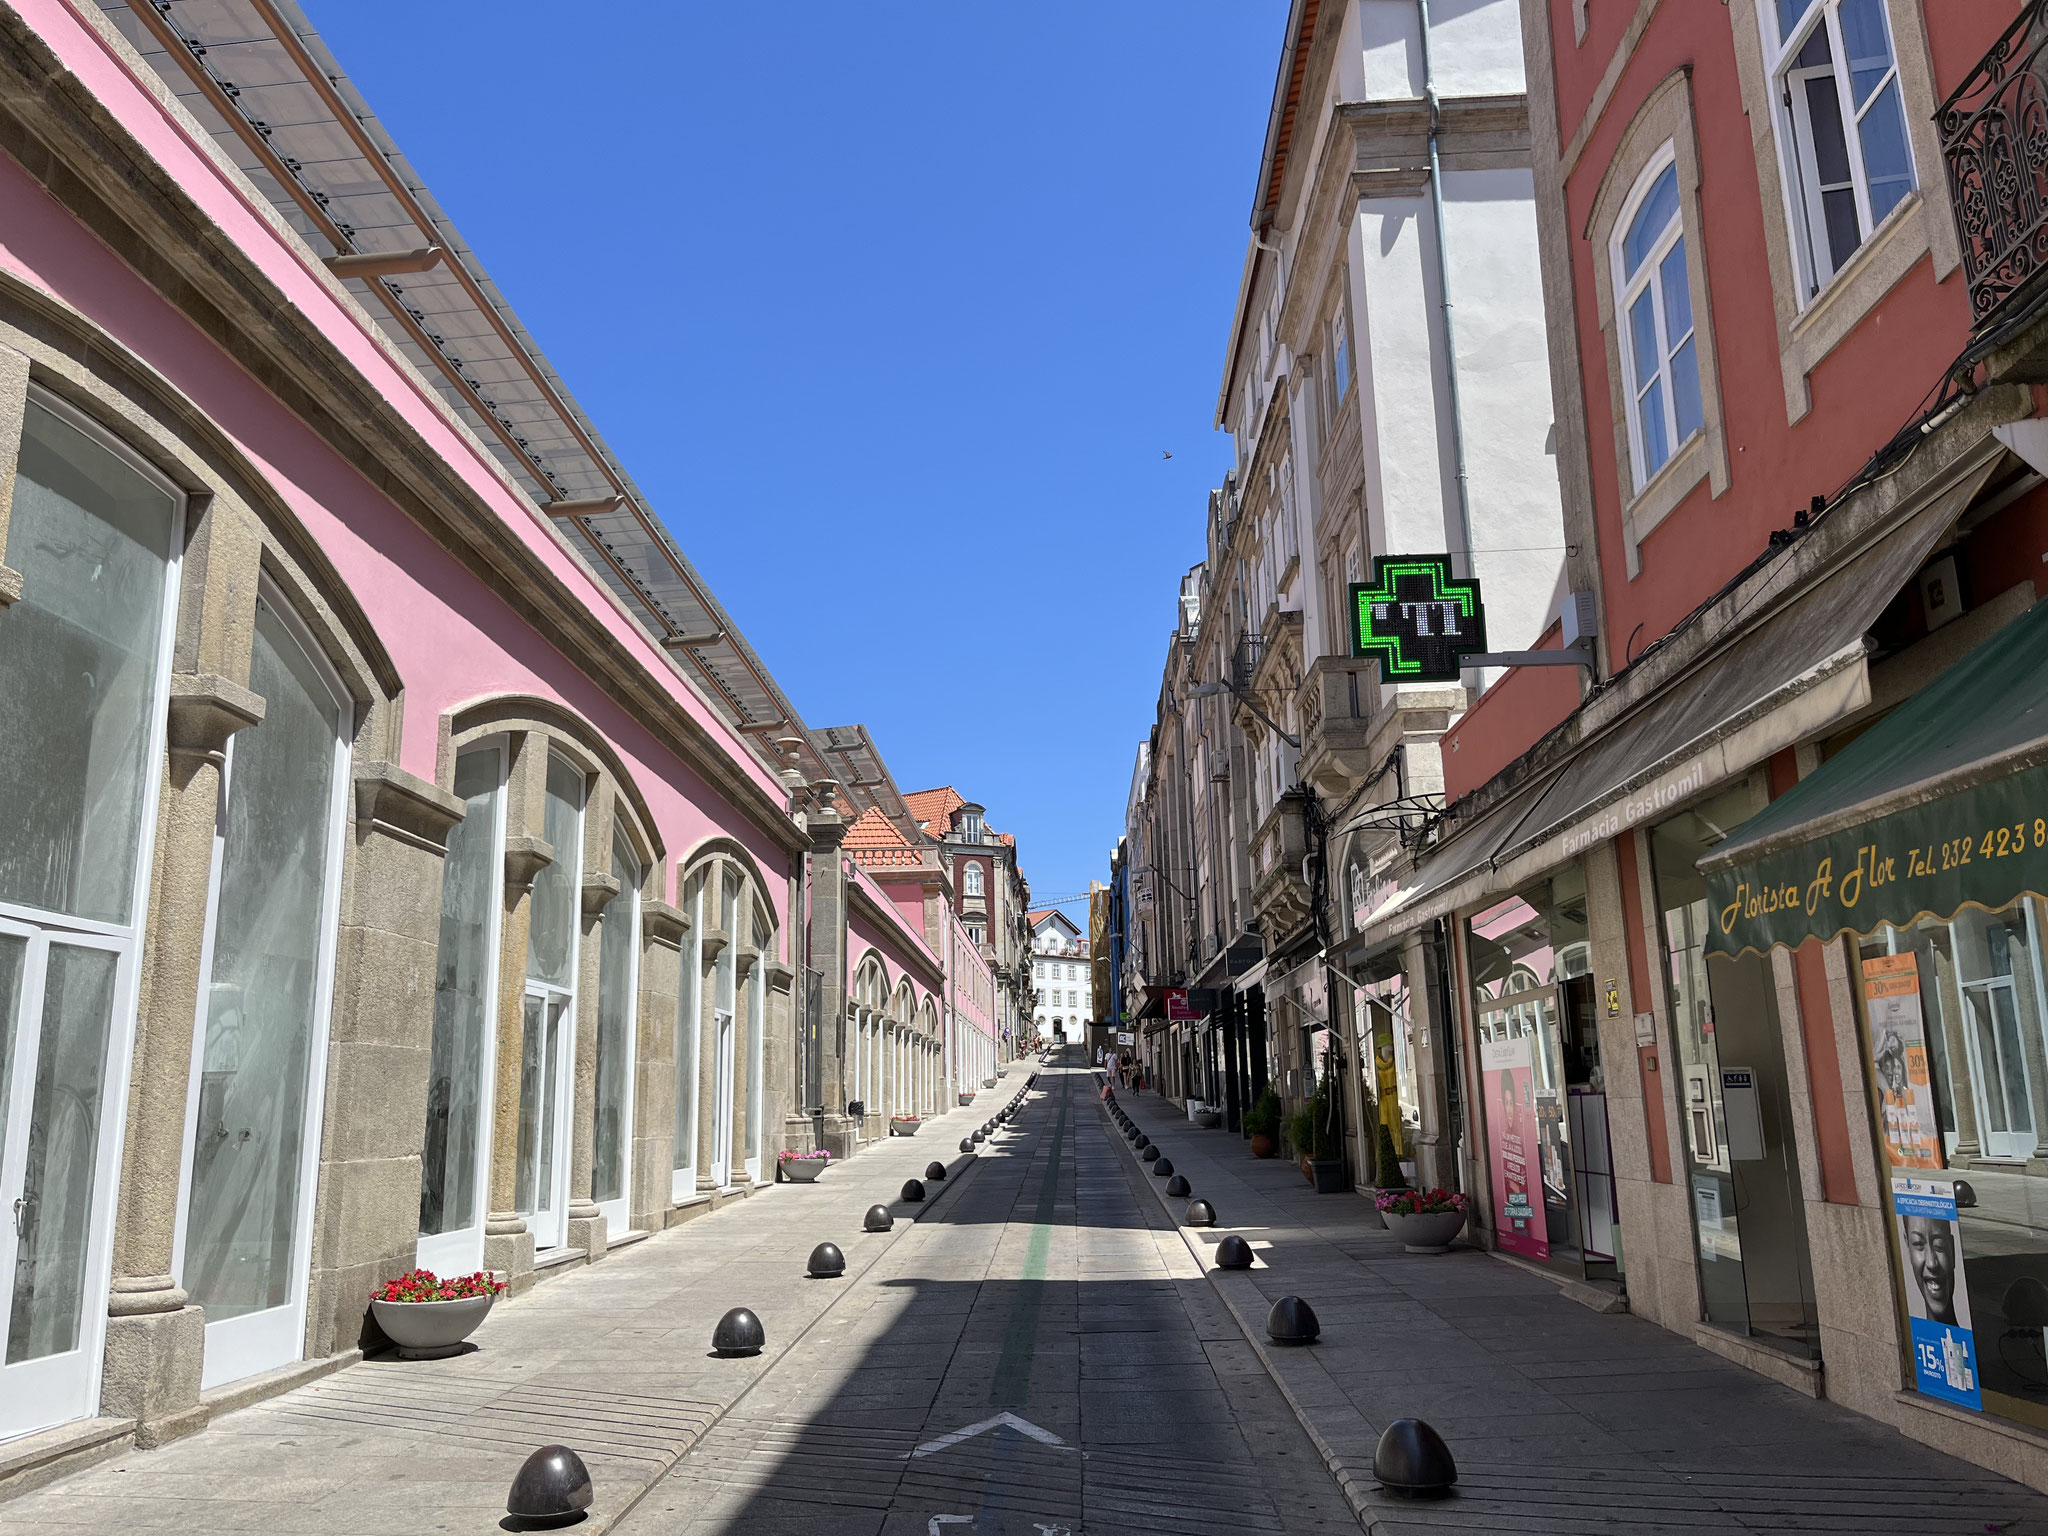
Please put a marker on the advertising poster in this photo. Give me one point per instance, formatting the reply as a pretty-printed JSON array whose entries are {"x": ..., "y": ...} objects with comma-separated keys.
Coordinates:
[
  {"x": 1937, "y": 1297},
  {"x": 1898, "y": 1050},
  {"x": 1507, "y": 1072}
]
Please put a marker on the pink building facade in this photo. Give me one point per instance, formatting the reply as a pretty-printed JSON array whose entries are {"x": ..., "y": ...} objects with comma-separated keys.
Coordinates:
[{"x": 405, "y": 860}]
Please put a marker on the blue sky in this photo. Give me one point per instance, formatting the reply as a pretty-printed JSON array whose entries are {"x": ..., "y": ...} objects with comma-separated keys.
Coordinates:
[{"x": 892, "y": 310}]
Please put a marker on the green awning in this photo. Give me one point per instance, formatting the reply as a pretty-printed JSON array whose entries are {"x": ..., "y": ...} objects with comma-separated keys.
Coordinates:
[{"x": 1942, "y": 804}]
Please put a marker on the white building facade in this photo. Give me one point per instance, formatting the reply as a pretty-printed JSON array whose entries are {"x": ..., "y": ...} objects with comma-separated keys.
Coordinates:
[{"x": 1062, "y": 1002}]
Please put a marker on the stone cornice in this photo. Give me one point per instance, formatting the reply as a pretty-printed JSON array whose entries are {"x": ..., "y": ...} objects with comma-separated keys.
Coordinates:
[
  {"x": 526, "y": 857},
  {"x": 744, "y": 958},
  {"x": 68, "y": 140},
  {"x": 10, "y": 585},
  {"x": 780, "y": 976},
  {"x": 404, "y": 806},
  {"x": 661, "y": 923}
]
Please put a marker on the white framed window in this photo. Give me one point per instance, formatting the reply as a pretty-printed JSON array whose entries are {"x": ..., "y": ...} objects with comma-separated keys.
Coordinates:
[
  {"x": 1660, "y": 354},
  {"x": 972, "y": 881},
  {"x": 1841, "y": 126},
  {"x": 1340, "y": 356}
]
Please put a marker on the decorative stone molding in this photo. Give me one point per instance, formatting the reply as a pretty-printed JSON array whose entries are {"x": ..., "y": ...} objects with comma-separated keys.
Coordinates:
[
  {"x": 781, "y": 977},
  {"x": 404, "y": 806},
  {"x": 141, "y": 1295},
  {"x": 662, "y": 923},
  {"x": 714, "y": 942},
  {"x": 10, "y": 585},
  {"x": 205, "y": 711},
  {"x": 598, "y": 891},
  {"x": 526, "y": 857},
  {"x": 744, "y": 960}
]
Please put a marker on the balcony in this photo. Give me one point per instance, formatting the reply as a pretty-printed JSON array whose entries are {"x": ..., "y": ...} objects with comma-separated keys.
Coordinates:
[
  {"x": 1994, "y": 144},
  {"x": 1281, "y": 901},
  {"x": 1244, "y": 662}
]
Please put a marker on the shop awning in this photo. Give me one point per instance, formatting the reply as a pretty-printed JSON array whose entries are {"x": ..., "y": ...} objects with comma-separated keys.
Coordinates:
[
  {"x": 1776, "y": 683},
  {"x": 1940, "y": 805}
]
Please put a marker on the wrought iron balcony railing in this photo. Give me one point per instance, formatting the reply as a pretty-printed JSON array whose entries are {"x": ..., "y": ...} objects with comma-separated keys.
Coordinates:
[
  {"x": 1994, "y": 143},
  {"x": 1244, "y": 665}
]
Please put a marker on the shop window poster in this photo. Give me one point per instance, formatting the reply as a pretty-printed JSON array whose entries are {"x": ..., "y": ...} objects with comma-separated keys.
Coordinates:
[
  {"x": 1507, "y": 1068},
  {"x": 1937, "y": 1297},
  {"x": 1898, "y": 1050}
]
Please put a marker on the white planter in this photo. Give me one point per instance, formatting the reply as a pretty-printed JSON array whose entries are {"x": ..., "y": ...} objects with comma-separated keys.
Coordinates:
[
  {"x": 1430, "y": 1232},
  {"x": 428, "y": 1330},
  {"x": 805, "y": 1170},
  {"x": 904, "y": 1127}
]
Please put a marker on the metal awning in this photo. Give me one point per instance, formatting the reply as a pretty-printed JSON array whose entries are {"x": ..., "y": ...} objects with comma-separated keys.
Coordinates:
[
  {"x": 1772, "y": 685},
  {"x": 262, "y": 83},
  {"x": 1942, "y": 804}
]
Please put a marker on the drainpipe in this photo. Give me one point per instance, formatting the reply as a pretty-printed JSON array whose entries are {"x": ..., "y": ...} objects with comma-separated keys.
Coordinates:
[{"x": 1443, "y": 279}]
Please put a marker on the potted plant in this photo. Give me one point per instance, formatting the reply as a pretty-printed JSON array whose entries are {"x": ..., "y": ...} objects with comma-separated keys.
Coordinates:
[
  {"x": 904, "y": 1125},
  {"x": 428, "y": 1317},
  {"x": 803, "y": 1167},
  {"x": 1423, "y": 1221},
  {"x": 1262, "y": 1123}
]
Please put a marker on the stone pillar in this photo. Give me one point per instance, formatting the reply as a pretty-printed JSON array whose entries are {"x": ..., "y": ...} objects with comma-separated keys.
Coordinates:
[
  {"x": 587, "y": 1226},
  {"x": 713, "y": 945},
  {"x": 1436, "y": 1151},
  {"x": 745, "y": 977},
  {"x": 662, "y": 928},
  {"x": 828, "y": 956},
  {"x": 156, "y": 1340},
  {"x": 508, "y": 1245},
  {"x": 366, "y": 1222}
]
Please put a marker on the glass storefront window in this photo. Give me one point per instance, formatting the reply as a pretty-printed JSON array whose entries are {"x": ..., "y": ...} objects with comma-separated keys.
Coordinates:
[
  {"x": 1544, "y": 1093},
  {"x": 1749, "y": 1223},
  {"x": 1956, "y": 1035}
]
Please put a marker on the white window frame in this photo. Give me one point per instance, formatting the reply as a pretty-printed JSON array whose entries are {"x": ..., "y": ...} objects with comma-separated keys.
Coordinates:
[
  {"x": 254, "y": 1342},
  {"x": 1806, "y": 220},
  {"x": 43, "y": 1393},
  {"x": 690, "y": 1034},
  {"x": 618, "y": 1211},
  {"x": 556, "y": 1218},
  {"x": 1626, "y": 291},
  {"x": 971, "y": 881}
]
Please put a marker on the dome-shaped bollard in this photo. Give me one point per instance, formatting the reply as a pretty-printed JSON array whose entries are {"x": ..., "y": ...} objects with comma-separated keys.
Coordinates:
[
  {"x": 826, "y": 1262},
  {"x": 978, "y": 1137},
  {"x": 739, "y": 1332},
  {"x": 967, "y": 1144},
  {"x": 1201, "y": 1213},
  {"x": 1412, "y": 1460},
  {"x": 552, "y": 1484},
  {"x": 913, "y": 1191},
  {"x": 936, "y": 1172},
  {"x": 1163, "y": 1168},
  {"x": 1149, "y": 1155},
  {"x": 1233, "y": 1253},
  {"x": 877, "y": 1219},
  {"x": 1292, "y": 1321},
  {"x": 1179, "y": 1187},
  {"x": 1144, "y": 1141}
]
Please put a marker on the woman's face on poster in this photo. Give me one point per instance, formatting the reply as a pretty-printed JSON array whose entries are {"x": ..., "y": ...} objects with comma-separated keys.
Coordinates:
[{"x": 1931, "y": 1257}]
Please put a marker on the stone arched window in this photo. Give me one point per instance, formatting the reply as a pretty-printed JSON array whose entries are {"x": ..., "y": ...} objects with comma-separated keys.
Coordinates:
[
  {"x": 724, "y": 1102},
  {"x": 864, "y": 1064}
]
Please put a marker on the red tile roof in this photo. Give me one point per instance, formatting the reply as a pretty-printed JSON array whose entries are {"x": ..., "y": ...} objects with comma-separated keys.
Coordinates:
[
  {"x": 933, "y": 809},
  {"x": 874, "y": 830}
]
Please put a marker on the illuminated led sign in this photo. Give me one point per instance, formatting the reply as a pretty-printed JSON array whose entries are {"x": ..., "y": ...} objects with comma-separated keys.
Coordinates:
[{"x": 1417, "y": 619}]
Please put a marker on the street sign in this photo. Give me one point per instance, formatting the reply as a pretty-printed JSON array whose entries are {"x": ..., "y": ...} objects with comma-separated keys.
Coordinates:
[
  {"x": 1417, "y": 619},
  {"x": 1177, "y": 1007}
]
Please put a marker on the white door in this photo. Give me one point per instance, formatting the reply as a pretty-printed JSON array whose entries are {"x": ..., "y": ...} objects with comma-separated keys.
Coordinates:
[
  {"x": 260, "y": 1049},
  {"x": 547, "y": 1045},
  {"x": 756, "y": 1033},
  {"x": 721, "y": 1103},
  {"x": 59, "y": 1147},
  {"x": 455, "y": 1156}
]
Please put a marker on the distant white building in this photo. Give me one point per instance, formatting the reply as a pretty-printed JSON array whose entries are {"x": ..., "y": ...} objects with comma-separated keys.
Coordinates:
[{"x": 1061, "y": 982}]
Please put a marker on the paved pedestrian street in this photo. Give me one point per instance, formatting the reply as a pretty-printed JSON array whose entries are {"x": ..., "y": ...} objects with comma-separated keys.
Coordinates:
[{"x": 1041, "y": 1349}]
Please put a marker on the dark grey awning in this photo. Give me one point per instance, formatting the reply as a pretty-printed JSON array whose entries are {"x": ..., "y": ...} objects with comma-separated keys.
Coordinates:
[{"x": 1775, "y": 684}]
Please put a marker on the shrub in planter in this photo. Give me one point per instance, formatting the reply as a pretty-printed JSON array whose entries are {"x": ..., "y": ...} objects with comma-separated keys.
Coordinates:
[
  {"x": 1262, "y": 1123},
  {"x": 1386, "y": 1159},
  {"x": 1424, "y": 1221},
  {"x": 427, "y": 1316},
  {"x": 803, "y": 1167}
]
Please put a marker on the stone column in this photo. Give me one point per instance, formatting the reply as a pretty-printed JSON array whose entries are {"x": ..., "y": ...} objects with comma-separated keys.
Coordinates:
[
  {"x": 662, "y": 928},
  {"x": 745, "y": 977},
  {"x": 828, "y": 956},
  {"x": 508, "y": 1246},
  {"x": 714, "y": 942},
  {"x": 1435, "y": 1150},
  {"x": 380, "y": 1048},
  {"x": 156, "y": 1340}
]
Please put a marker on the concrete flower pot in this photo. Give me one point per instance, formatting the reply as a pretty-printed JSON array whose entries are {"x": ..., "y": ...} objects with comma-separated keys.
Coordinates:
[
  {"x": 966, "y": 1097},
  {"x": 904, "y": 1125},
  {"x": 804, "y": 1170},
  {"x": 428, "y": 1330},
  {"x": 1428, "y": 1232}
]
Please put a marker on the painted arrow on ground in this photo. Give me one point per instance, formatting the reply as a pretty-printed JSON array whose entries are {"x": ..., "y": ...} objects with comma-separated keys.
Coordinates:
[{"x": 1022, "y": 1426}]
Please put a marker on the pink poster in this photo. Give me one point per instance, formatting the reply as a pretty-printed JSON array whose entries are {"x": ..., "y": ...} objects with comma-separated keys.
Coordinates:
[{"x": 1508, "y": 1089}]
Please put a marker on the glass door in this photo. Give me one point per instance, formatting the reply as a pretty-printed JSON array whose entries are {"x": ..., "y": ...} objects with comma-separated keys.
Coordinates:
[
  {"x": 455, "y": 1155},
  {"x": 547, "y": 1044},
  {"x": 253, "y": 1116},
  {"x": 721, "y": 1109},
  {"x": 689, "y": 1042},
  {"x": 84, "y": 654}
]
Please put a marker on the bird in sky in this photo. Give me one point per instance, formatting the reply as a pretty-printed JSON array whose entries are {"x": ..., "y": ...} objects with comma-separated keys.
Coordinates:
[{"x": 1166, "y": 453}]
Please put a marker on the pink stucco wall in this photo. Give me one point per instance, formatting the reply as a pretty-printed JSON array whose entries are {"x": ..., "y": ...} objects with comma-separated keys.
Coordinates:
[
  {"x": 451, "y": 639},
  {"x": 893, "y": 940},
  {"x": 975, "y": 984}
]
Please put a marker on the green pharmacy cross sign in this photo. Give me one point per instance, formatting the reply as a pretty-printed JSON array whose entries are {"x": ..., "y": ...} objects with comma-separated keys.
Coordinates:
[{"x": 1417, "y": 619}]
